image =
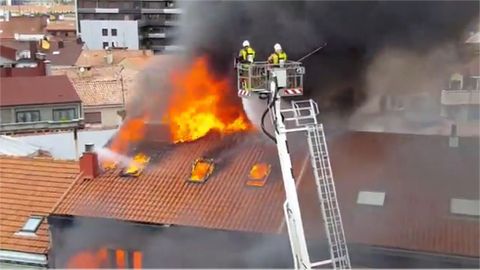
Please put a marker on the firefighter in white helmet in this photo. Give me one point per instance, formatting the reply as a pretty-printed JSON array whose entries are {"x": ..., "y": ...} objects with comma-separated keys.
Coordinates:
[
  {"x": 278, "y": 57},
  {"x": 247, "y": 53}
]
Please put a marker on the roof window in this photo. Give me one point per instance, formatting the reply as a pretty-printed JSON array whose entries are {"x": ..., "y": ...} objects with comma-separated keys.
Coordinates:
[
  {"x": 465, "y": 207},
  {"x": 31, "y": 226},
  {"x": 371, "y": 198},
  {"x": 257, "y": 177},
  {"x": 202, "y": 168}
]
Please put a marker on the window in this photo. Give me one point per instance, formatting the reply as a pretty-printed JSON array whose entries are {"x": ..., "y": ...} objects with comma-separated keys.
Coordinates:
[
  {"x": 114, "y": 32},
  {"x": 28, "y": 116},
  {"x": 105, "y": 45},
  {"x": 121, "y": 259},
  {"x": 104, "y": 32},
  {"x": 93, "y": 117},
  {"x": 202, "y": 168},
  {"x": 465, "y": 207},
  {"x": 258, "y": 175},
  {"x": 371, "y": 198},
  {"x": 32, "y": 224},
  {"x": 64, "y": 114}
]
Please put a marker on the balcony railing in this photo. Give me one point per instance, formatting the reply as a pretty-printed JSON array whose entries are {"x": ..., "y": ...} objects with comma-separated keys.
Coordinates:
[
  {"x": 32, "y": 126},
  {"x": 460, "y": 97}
]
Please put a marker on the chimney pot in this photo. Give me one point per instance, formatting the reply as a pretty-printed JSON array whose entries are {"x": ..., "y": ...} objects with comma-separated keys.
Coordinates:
[
  {"x": 89, "y": 162},
  {"x": 89, "y": 147}
]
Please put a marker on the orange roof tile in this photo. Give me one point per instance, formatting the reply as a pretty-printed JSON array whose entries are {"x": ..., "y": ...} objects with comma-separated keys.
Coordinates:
[
  {"x": 411, "y": 169},
  {"x": 30, "y": 186},
  {"x": 22, "y": 25},
  {"x": 162, "y": 194},
  {"x": 93, "y": 93}
]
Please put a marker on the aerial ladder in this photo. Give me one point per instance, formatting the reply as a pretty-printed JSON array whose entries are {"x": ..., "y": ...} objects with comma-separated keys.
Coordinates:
[{"x": 274, "y": 83}]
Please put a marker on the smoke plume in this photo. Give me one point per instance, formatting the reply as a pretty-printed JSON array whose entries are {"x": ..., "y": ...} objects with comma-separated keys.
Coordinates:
[{"x": 358, "y": 34}]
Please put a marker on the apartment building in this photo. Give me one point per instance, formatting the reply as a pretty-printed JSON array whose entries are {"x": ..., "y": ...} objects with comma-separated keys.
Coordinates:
[{"x": 127, "y": 23}]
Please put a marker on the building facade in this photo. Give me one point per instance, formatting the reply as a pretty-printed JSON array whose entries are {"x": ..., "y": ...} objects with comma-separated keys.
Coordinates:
[
  {"x": 39, "y": 103},
  {"x": 112, "y": 33},
  {"x": 155, "y": 23}
]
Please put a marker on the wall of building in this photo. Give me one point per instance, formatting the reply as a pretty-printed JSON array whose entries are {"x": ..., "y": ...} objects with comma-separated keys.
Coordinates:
[
  {"x": 9, "y": 115},
  {"x": 92, "y": 33},
  {"x": 164, "y": 247},
  {"x": 108, "y": 115},
  {"x": 74, "y": 239}
]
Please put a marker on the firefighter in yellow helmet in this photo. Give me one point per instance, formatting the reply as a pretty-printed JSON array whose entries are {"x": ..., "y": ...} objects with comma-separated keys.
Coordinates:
[
  {"x": 278, "y": 57},
  {"x": 247, "y": 53},
  {"x": 246, "y": 57}
]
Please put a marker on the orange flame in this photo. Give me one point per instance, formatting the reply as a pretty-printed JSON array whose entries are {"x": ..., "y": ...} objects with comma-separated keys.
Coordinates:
[
  {"x": 201, "y": 103},
  {"x": 132, "y": 131},
  {"x": 89, "y": 259}
]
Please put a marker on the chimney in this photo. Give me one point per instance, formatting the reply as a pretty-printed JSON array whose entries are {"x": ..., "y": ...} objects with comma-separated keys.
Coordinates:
[
  {"x": 453, "y": 139},
  {"x": 48, "y": 67},
  {"x": 89, "y": 163},
  {"x": 33, "y": 49}
]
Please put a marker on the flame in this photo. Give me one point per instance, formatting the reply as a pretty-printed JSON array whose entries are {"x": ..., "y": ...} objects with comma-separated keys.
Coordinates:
[
  {"x": 89, "y": 259},
  {"x": 95, "y": 259},
  {"x": 201, "y": 103},
  {"x": 132, "y": 131},
  {"x": 139, "y": 162},
  {"x": 201, "y": 170},
  {"x": 259, "y": 171}
]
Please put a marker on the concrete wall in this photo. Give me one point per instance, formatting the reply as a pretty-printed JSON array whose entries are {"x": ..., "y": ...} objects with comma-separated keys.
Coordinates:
[
  {"x": 6, "y": 116},
  {"x": 127, "y": 33},
  {"x": 109, "y": 115}
]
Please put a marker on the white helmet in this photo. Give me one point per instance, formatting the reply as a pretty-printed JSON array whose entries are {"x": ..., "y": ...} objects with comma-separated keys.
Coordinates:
[
  {"x": 246, "y": 43},
  {"x": 277, "y": 47}
]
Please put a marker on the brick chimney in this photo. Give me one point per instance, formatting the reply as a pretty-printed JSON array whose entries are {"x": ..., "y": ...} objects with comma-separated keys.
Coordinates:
[{"x": 89, "y": 163}]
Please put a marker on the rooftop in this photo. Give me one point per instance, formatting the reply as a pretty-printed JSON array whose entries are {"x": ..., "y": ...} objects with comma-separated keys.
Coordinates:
[
  {"x": 94, "y": 93},
  {"x": 92, "y": 58},
  {"x": 30, "y": 187},
  {"x": 415, "y": 173},
  {"x": 22, "y": 25},
  {"x": 37, "y": 90},
  {"x": 61, "y": 26}
]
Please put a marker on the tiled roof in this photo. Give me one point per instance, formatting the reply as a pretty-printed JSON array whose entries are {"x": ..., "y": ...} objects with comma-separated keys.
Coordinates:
[
  {"x": 420, "y": 174},
  {"x": 92, "y": 58},
  {"x": 61, "y": 25},
  {"x": 162, "y": 194},
  {"x": 30, "y": 186},
  {"x": 94, "y": 93},
  {"x": 32, "y": 9},
  {"x": 37, "y": 90},
  {"x": 22, "y": 25}
]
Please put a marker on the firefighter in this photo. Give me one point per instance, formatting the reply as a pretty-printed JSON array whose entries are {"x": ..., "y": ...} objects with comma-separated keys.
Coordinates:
[
  {"x": 246, "y": 56},
  {"x": 278, "y": 57},
  {"x": 247, "y": 53}
]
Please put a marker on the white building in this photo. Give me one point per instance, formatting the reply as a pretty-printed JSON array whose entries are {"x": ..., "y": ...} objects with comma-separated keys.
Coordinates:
[{"x": 98, "y": 34}]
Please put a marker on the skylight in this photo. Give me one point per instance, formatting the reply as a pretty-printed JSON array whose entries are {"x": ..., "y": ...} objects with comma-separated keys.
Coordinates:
[
  {"x": 371, "y": 198},
  {"x": 258, "y": 175},
  {"x": 32, "y": 224},
  {"x": 465, "y": 207},
  {"x": 202, "y": 168}
]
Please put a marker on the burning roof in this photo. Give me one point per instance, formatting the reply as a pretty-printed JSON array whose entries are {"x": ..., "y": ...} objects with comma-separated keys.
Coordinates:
[
  {"x": 413, "y": 216},
  {"x": 201, "y": 169}
]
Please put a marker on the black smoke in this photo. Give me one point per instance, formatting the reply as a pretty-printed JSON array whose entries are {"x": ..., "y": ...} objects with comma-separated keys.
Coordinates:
[{"x": 356, "y": 31}]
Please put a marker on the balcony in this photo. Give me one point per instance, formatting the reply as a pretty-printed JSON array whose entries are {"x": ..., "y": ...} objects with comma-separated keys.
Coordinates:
[
  {"x": 155, "y": 35},
  {"x": 460, "y": 97},
  {"x": 161, "y": 11},
  {"x": 41, "y": 125}
]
